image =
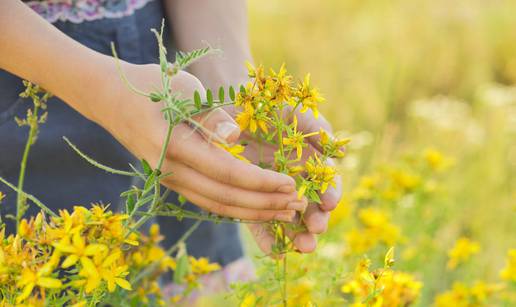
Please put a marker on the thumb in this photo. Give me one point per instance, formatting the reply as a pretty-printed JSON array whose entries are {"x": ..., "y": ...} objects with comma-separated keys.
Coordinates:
[{"x": 220, "y": 125}]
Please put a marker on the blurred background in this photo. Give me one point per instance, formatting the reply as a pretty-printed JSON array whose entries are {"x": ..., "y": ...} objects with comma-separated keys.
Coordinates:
[{"x": 427, "y": 91}]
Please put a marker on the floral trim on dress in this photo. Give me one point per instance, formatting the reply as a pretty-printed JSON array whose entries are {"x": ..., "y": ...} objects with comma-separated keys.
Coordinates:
[{"x": 77, "y": 11}]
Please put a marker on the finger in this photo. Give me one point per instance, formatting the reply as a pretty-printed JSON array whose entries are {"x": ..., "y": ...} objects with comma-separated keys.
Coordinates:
[
  {"x": 263, "y": 237},
  {"x": 218, "y": 125},
  {"x": 235, "y": 212},
  {"x": 210, "y": 160},
  {"x": 332, "y": 196},
  {"x": 315, "y": 219},
  {"x": 228, "y": 195},
  {"x": 304, "y": 242}
]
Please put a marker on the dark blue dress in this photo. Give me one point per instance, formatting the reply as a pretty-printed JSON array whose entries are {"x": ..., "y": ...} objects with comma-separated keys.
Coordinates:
[{"x": 57, "y": 175}]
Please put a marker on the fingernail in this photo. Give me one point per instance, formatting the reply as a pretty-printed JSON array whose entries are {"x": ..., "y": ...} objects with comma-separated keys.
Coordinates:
[
  {"x": 225, "y": 129},
  {"x": 288, "y": 188},
  {"x": 297, "y": 205},
  {"x": 284, "y": 217}
]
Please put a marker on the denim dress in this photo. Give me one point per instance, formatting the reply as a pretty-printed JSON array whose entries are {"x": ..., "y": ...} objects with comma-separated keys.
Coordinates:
[{"x": 57, "y": 175}]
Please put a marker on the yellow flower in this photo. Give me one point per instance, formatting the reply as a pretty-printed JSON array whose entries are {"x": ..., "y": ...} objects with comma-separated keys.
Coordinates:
[
  {"x": 398, "y": 288},
  {"x": 462, "y": 295},
  {"x": 202, "y": 266},
  {"x": 103, "y": 268},
  {"x": 319, "y": 173},
  {"x": 2, "y": 196},
  {"x": 77, "y": 249},
  {"x": 464, "y": 248},
  {"x": 296, "y": 139},
  {"x": 252, "y": 119},
  {"x": 332, "y": 147},
  {"x": 308, "y": 97},
  {"x": 436, "y": 160},
  {"x": 509, "y": 272},
  {"x": 279, "y": 85},
  {"x": 235, "y": 150},
  {"x": 29, "y": 279}
]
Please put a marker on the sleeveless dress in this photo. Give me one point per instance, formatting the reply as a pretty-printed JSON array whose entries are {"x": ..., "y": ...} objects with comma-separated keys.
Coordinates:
[{"x": 57, "y": 175}]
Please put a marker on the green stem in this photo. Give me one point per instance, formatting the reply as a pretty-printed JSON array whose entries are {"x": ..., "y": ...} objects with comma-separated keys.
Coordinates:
[
  {"x": 174, "y": 247},
  {"x": 21, "y": 201},
  {"x": 36, "y": 201}
]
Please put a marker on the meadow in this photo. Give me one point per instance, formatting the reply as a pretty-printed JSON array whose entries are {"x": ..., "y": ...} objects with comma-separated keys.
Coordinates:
[{"x": 426, "y": 93}]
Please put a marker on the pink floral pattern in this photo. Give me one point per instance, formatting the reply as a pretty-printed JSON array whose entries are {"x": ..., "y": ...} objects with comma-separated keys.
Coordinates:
[{"x": 77, "y": 11}]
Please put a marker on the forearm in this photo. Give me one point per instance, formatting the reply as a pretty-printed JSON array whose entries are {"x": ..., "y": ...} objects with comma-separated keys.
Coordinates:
[
  {"x": 220, "y": 23},
  {"x": 33, "y": 49}
]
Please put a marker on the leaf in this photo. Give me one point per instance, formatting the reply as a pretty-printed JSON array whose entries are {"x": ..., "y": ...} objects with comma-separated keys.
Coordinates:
[
  {"x": 182, "y": 265},
  {"x": 129, "y": 204},
  {"x": 232, "y": 95},
  {"x": 389, "y": 258},
  {"x": 221, "y": 94},
  {"x": 182, "y": 200},
  {"x": 209, "y": 97},
  {"x": 155, "y": 97},
  {"x": 197, "y": 100},
  {"x": 150, "y": 181},
  {"x": 242, "y": 89},
  {"x": 147, "y": 170}
]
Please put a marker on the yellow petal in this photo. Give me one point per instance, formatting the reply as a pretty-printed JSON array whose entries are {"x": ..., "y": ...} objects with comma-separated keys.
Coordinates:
[
  {"x": 27, "y": 290},
  {"x": 69, "y": 261},
  {"x": 47, "y": 282},
  {"x": 93, "y": 249},
  {"x": 89, "y": 267},
  {"x": 123, "y": 284}
]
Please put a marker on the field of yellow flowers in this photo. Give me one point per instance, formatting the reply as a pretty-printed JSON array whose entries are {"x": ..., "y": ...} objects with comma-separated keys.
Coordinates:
[{"x": 427, "y": 92}]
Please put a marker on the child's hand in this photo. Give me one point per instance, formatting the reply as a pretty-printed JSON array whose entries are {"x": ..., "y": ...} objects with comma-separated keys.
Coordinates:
[{"x": 203, "y": 173}]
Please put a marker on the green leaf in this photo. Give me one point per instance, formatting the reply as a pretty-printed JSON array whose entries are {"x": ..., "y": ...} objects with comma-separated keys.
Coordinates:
[
  {"x": 182, "y": 200},
  {"x": 182, "y": 265},
  {"x": 197, "y": 100},
  {"x": 155, "y": 97},
  {"x": 129, "y": 204},
  {"x": 232, "y": 95},
  {"x": 147, "y": 169},
  {"x": 209, "y": 97},
  {"x": 242, "y": 89},
  {"x": 221, "y": 94},
  {"x": 150, "y": 181}
]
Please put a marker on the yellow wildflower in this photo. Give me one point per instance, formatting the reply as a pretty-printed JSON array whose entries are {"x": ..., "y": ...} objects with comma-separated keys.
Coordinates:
[
  {"x": 509, "y": 272},
  {"x": 279, "y": 85},
  {"x": 296, "y": 139},
  {"x": 77, "y": 249},
  {"x": 202, "y": 266},
  {"x": 308, "y": 97},
  {"x": 235, "y": 150},
  {"x": 319, "y": 173},
  {"x": 464, "y": 248},
  {"x": 436, "y": 160},
  {"x": 31, "y": 278},
  {"x": 252, "y": 119},
  {"x": 332, "y": 147},
  {"x": 462, "y": 295},
  {"x": 2, "y": 196}
]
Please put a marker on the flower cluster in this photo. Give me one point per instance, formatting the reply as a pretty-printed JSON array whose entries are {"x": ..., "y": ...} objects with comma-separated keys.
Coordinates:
[
  {"x": 463, "y": 249},
  {"x": 81, "y": 257},
  {"x": 381, "y": 287},
  {"x": 269, "y": 106}
]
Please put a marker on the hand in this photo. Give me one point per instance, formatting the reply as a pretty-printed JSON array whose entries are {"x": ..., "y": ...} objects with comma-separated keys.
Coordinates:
[
  {"x": 203, "y": 173},
  {"x": 316, "y": 216}
]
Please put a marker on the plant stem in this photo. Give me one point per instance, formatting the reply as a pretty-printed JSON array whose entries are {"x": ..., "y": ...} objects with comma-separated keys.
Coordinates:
[
  {"x": 169, "y": 251},
  {"x": 21, "y": 200}
]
